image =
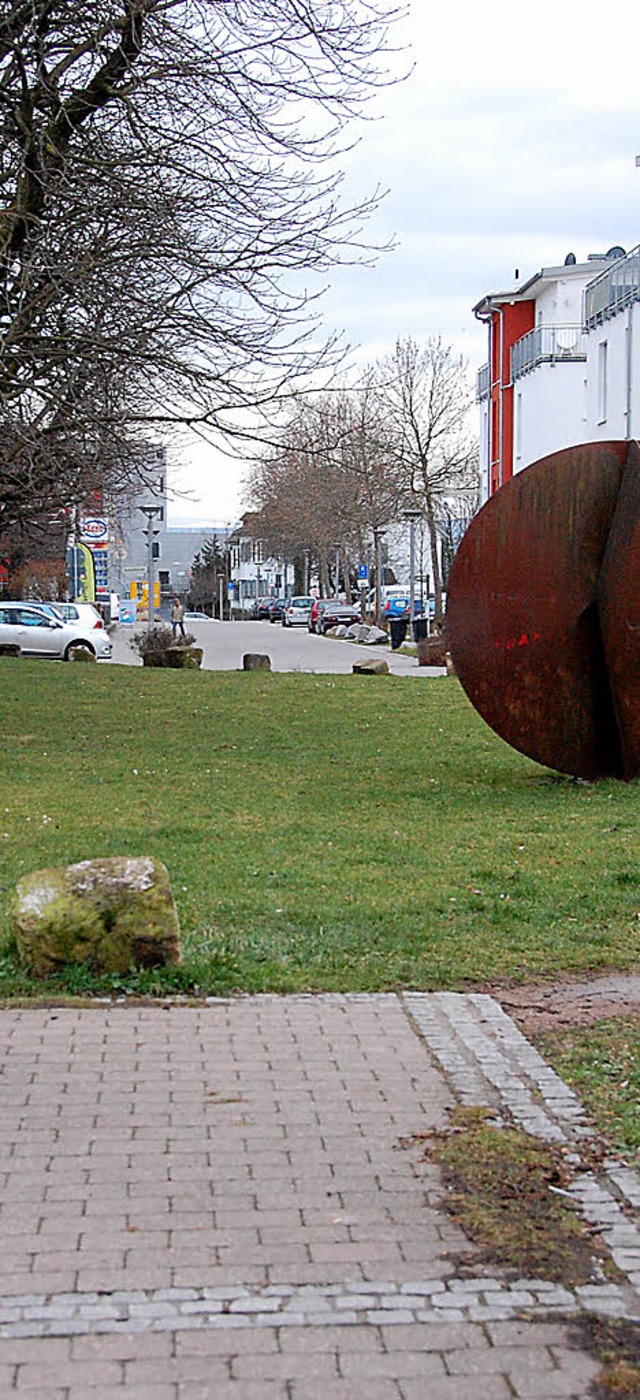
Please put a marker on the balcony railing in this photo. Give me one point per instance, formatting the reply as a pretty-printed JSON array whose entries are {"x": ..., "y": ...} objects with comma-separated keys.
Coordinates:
[
  {"x": 483, "y": 383},
  {"x": 547, "y": 345},
  {"x": 614, "y": 289}
]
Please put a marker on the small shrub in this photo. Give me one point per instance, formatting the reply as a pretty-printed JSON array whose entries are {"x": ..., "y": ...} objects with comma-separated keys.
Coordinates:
[
  {"x": 153, "y": 643},
  {"x": 432, "y": 651}
]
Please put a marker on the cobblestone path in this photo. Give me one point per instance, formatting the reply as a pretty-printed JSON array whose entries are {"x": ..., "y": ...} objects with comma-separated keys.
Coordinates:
[{"x": 212, "y": 1201}]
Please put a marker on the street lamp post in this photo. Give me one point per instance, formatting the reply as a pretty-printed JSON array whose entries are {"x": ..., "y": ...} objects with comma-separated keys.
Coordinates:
[
  {"x": 412, "y": 516},
  {"x": 337, "y": 587},
  {"x": 150, "y": 512},
  {"x": 378, "y": 535}
]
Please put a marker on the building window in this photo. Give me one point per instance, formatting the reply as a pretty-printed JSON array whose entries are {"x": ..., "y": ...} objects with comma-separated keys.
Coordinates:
[{"x": 603, "y": 368}]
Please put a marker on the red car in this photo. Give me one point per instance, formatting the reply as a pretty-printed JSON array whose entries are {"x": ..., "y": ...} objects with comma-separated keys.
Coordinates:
[{"x": 330, "y": 612}]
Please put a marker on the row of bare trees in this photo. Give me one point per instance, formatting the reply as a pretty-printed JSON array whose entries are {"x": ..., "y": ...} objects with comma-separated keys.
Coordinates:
[
  {"x": 352, "y": 461},
  {"x": 170, "y": 180}
]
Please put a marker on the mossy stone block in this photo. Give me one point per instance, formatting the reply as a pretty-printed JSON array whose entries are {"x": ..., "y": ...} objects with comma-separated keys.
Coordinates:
[
  {"x": 256, "y": 661},
  {"x": 374, "y": 667},
  {"x": 110, "y": 915},
  {"x": 183, "y": 658}
]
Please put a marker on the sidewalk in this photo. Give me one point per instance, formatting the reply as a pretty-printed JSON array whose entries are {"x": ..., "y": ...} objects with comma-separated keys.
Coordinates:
[{"x": 211, "y": 1201}]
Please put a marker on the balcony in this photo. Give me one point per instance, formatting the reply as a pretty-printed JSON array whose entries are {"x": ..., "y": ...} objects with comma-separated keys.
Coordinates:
[
  {"x": 614, "y": 289},
  {"x": 547, "y": 345},
  {"x": 483, "y": 383}
]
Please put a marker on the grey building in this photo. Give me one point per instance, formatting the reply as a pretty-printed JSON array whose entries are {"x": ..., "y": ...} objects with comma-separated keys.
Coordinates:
[{"x": 174, "y": 547}]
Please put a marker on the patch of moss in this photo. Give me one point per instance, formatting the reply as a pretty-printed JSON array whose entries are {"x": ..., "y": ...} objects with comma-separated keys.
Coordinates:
[
  {"x": 507, "y": 1190},
  {"x": 71, "y": 932}
]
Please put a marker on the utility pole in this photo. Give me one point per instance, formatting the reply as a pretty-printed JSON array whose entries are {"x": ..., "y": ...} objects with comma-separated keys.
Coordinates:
[
  {"x": 150, "y": 512},
  {"x": 378, "y": 536}
]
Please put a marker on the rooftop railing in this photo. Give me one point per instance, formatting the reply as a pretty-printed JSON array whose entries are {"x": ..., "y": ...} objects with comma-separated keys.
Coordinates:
[
  {"x": 547, "y": 345},
  {"x": 618, "y": 286}
]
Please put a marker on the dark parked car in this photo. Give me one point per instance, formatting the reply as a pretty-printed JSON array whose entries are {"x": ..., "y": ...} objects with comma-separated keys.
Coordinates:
[
  {"x": 276, "y": 609},
  {"x": 330, "y": 612},
  {"x": 261, "y": 607}
]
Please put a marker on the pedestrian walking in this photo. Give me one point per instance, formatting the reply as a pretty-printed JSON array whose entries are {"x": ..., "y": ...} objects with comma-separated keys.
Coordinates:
[{"x": 177, "y": 618}]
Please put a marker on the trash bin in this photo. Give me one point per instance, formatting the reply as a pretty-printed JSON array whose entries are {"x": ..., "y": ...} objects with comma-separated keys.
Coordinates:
[
  {"x": 420, "y": 628},
  {"x": 398, "y": 630}
]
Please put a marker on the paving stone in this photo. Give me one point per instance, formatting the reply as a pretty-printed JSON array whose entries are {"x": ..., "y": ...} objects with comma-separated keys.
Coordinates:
[
  {"x": 484, "y": 1360},
  {"x": 459, "y": 1388}
]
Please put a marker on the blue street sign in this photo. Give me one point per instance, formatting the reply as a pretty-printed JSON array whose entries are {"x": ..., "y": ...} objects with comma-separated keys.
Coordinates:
[{"x": 363, "y": 573}]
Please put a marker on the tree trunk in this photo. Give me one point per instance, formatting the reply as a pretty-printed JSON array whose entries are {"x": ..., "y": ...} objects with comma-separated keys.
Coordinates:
[{"x": 435, "y": 563}]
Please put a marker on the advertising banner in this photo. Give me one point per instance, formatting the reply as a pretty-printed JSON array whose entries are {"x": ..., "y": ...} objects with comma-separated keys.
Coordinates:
[{"x": 86, "y": 589}]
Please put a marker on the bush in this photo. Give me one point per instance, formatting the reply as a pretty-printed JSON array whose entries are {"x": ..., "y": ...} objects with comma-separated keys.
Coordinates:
[{"x": 152, "y": 644}]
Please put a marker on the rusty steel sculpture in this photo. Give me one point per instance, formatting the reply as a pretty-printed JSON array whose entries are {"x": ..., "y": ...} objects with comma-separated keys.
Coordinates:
[{"x": 543, "y": 611}]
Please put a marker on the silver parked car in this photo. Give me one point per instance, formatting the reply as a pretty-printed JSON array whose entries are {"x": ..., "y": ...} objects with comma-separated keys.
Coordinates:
[
  {"x": 296, "y": 612},
  {"x": 39, "y": 633}
]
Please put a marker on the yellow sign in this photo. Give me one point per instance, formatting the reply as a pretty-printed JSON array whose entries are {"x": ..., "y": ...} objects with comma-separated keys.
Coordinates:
[{"x": 140, "y": 591}]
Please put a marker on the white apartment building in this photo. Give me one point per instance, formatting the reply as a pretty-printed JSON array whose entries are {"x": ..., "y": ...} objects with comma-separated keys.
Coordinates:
[
  {"x": 563, "y": 362},
  {"x": 253, "y": 572}
]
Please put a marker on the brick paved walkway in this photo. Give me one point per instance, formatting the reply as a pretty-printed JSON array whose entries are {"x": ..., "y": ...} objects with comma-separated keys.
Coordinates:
[{"x": 212, "y": 1201}]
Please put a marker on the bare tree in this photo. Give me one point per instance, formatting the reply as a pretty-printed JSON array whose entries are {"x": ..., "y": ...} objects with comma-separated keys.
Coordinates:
[
  {"x": 328, "y": 484},
  {"x": 425, "y": 395},
  {"x": 169, "y": 180}
]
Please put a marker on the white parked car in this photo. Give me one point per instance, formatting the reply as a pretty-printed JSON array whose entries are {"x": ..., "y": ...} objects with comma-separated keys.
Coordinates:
[
  {"x": 39, "y": 632},
  {"x": 81, "y": 614},
  {"x": 296, "y": 612}
]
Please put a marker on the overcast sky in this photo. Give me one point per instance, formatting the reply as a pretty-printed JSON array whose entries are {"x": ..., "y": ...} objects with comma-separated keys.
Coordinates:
[{"x": 512, "y": 143}]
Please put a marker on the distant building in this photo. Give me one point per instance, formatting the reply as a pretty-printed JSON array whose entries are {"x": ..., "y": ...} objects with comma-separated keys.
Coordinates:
[
  {"x": 254, "y": 573},
  {"x": 563, "y": 362},
  {"x": 174, "y": 547}
]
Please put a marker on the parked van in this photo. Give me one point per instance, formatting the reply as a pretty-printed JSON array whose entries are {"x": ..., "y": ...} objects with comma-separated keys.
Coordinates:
[{"x": 395, "y": 601}]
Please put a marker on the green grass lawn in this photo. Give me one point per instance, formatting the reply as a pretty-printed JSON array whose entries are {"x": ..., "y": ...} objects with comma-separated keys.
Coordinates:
[
  {"x": 343, "y": 833},
  {"x": 602, "y": 1063}
]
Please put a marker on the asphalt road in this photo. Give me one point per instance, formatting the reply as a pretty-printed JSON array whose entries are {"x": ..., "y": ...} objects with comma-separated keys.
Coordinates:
[{"x": 290, "y": 649}]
